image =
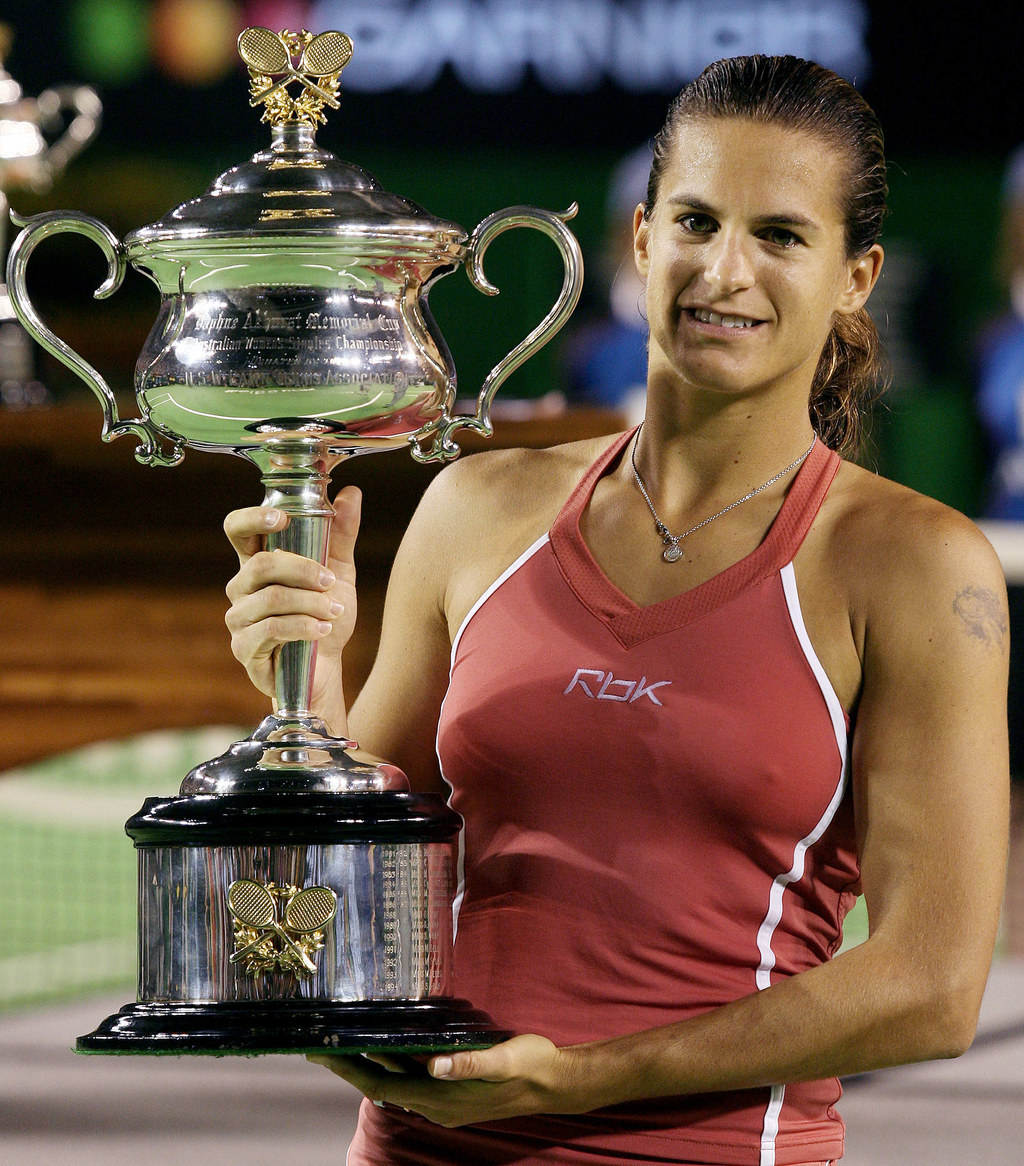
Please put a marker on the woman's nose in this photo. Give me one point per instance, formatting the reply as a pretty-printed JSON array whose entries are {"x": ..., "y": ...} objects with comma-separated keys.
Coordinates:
[{"x": 728, "y": 265}]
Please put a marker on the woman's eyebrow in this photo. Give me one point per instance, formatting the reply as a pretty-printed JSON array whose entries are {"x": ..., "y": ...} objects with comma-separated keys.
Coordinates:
[
  {"x": 780, "y": 218},
  {"x": 686, "y": 200}
]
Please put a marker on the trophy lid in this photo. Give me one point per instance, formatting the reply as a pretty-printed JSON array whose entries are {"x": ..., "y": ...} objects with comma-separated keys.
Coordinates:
[{"x": 294, "y": 188}]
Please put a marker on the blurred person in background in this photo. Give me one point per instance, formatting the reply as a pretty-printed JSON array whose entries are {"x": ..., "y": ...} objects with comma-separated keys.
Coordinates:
[
  {"x": 606, "y": 359},
  {"x": 1000, "y": 395},
  {"x": 1000, "y": 401}
]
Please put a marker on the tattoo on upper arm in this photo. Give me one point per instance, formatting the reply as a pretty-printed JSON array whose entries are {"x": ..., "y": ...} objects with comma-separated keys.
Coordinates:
[{"x": 984, "y": 616}]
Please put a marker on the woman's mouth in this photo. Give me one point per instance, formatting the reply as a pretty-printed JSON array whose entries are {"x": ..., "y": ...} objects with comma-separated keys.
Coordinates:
[{"x": 719, "y": 320}]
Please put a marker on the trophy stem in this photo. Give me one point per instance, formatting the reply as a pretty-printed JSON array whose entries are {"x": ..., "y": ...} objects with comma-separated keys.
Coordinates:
[{"x": 296, "y": 474}]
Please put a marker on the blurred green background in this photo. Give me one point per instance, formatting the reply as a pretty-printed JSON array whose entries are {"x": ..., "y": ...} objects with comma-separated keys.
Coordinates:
[{"x": 462, "y": 145}]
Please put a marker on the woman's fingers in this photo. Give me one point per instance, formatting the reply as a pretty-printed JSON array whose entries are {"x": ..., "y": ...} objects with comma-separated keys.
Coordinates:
[
  {"x": 278, "y": 602},
  {"x": 279, "y": 570},
  {"x": 256, "y": 644},
  {"x": 345, "y": 526},
  {"x": 277, "y": 597},
  {"x": 394, "y": 1064},
  {"x": 255, "y": 638},
  {"x": 246, "y": 529}
]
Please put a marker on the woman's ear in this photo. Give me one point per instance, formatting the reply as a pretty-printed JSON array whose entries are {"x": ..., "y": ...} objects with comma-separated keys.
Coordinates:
[
  {"x": 641, "y": 238},
  {"x": 862, "y": 275}
]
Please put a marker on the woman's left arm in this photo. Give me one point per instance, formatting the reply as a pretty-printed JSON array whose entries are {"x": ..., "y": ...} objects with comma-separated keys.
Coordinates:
[{"x": 930, "y": 779}]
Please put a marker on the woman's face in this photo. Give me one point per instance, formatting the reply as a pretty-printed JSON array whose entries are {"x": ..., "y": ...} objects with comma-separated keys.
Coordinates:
[{"x": 744, "y": 257}]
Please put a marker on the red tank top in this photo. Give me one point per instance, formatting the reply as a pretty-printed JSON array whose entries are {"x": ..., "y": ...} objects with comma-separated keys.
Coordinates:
[{"x": 656, "y": 823}]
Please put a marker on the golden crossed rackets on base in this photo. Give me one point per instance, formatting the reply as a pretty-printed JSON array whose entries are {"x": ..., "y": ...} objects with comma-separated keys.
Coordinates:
[{"x": 308, "y": 911}]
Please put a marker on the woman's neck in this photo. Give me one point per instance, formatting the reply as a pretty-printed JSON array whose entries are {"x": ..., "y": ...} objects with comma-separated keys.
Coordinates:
[{"x": 697, "y": 448}]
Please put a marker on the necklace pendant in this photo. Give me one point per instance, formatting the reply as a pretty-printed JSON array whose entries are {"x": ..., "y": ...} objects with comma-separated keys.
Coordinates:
[{"x": 673, "y": 552}]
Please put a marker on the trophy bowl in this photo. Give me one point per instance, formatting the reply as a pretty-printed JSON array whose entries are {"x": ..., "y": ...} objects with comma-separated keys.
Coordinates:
[{"x": 295, "y": 896}]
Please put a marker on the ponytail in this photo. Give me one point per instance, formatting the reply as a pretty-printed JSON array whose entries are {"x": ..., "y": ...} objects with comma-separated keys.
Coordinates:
[{"x": 851, "y": 374}]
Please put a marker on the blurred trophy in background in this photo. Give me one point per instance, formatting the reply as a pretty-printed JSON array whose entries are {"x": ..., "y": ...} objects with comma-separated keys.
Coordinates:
[
  {"x": 29, "y": 161},
  {"x": 296, "y": 895}
]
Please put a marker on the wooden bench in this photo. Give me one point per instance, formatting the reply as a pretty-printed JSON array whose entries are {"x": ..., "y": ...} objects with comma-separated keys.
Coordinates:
[{"x": 112, "y": 576}]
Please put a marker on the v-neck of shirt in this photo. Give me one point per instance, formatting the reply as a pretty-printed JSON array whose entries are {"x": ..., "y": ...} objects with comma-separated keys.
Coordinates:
[{"x": 632, "y": 623}]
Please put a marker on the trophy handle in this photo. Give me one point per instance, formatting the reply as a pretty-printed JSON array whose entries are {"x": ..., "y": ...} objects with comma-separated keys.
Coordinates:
[
  {"x": 36, "y": 229},
  {"x": 86, "y": 109},
  {"x": 552, "y": 224}
]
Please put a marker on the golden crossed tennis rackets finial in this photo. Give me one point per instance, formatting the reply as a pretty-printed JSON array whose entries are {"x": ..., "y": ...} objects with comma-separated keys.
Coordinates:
[
  {"x": 254, "y": 909},
  {"x": 275, "y": 60}
]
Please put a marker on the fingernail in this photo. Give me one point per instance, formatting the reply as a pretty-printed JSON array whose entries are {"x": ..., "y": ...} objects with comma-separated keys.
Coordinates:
[
  {"x": 271, "y": 517},
  {"x": 327, "y": 578},
  {"x": 324, "y": 628},
  {"x": 336, "y": 608},
  {"x": 442, "y": 1066}
]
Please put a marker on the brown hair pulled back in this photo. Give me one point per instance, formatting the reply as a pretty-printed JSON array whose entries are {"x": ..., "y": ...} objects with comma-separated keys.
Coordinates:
[{"x": 801, "y": 95}]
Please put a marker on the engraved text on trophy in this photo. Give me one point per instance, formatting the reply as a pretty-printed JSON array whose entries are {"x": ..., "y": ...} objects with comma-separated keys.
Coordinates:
[{"x": 335, "y": 360}]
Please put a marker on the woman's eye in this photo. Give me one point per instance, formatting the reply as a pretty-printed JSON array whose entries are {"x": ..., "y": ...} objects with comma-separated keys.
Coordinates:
[
  {"x": 780, "y": 237},
  {"x": 698, "y": 224}
]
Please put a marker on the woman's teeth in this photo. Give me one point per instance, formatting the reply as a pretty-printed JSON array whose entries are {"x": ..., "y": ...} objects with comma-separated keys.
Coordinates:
[{"x": 707, "y": 317}]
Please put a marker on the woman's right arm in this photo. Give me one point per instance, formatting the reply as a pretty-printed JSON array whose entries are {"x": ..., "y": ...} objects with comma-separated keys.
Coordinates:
[{"x": 277, "y": 597}]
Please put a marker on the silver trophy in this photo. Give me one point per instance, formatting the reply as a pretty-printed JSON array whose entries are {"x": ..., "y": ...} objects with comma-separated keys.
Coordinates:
[
  {"x": 295, "y": 896},
  {"x": 38, "y": 138}
]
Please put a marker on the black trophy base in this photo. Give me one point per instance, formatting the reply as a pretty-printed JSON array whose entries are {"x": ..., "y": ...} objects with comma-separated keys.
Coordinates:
[{"x": 295, "y": 1026}]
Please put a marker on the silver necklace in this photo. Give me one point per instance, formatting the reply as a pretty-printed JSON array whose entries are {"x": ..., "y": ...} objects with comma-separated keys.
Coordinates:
[{"x": 673, "y": 550}]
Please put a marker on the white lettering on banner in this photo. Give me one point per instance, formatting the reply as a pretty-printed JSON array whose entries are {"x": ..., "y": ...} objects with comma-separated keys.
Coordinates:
[
  {"x": 610, "y": 688},
  {"x": 574, "y": 45}
]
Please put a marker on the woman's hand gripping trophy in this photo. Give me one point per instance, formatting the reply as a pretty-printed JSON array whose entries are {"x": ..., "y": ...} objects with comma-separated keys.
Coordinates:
[{"x": 277, "y": 597}]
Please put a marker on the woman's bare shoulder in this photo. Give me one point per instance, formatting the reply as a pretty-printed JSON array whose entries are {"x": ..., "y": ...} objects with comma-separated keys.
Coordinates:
[
  {"x": 510, "y": 487},
  {"x": 480, "y": 513},
  {"x": 901, "y": 549}
]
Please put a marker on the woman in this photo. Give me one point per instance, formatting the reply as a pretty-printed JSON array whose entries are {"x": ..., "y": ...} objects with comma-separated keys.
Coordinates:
[{"x": 708, "y": 682}]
